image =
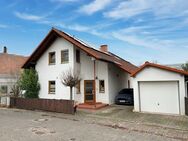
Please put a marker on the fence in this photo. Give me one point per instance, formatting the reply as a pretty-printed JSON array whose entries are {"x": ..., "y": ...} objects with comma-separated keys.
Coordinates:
[{"x": 52, "y": 105}]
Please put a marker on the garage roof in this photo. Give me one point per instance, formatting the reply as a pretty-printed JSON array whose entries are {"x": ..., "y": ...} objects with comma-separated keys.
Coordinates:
[
  {"x": 103, "y": 56},
  {"x": 148, "y": 64}
]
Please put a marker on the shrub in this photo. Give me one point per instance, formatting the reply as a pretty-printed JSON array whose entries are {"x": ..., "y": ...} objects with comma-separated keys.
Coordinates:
[{"x": 29, "y": 83}]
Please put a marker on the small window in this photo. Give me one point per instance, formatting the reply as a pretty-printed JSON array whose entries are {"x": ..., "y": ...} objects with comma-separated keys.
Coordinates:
[
  {"x": 101, "y": 86},
  {"x": 51, "y": 87},
  {"x": 65, "y": 56},
  {"x": 52, "y": 58},
  {"x": 78, "y": 88},
  {"x": 77, "y": 56},
  {"x": 3, "y": 89}
]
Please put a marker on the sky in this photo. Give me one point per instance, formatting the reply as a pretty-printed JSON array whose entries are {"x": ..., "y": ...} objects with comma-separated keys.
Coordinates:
[{"x": 136, "y": 30}]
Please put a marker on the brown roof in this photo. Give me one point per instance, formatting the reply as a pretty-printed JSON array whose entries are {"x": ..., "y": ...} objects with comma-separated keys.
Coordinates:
[
  {"x": 54, "y": 33},
  {"x": 148, "y": 64},
  {"x": 10, "y": 63}
]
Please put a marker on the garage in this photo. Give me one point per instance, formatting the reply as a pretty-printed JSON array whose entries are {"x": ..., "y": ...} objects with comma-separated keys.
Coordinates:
[
  {"x": 159, "y": 97},
  {"x": 159, "y": 89}
]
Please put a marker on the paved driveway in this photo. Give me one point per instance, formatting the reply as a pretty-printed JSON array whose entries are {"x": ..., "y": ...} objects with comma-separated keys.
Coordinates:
[
  {"x": 175, "y": 127},
  {"x": 124, "y": 113},
  {"x": 21, "y": 125}
]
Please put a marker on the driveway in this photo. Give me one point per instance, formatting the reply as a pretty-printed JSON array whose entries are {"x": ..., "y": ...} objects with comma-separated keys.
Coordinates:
[
  {"x": 125, "y": 113},
  {"x": 22, "y": 125}
]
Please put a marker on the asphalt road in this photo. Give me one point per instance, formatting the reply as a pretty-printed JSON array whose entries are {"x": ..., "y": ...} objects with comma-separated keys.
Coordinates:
[{"x": 18, "y": 125}]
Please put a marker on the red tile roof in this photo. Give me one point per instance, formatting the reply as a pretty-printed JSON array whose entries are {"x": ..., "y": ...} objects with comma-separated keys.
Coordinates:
[
  {"x": 10, "y": 63},
  {"x": 54, "y": 33},
  {"x": 148, "y": 64}
]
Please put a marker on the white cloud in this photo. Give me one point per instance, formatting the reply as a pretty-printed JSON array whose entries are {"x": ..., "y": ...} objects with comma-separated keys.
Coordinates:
[
  {"x": 128, "y": 9},
  {"x": 95, "y": 6},
  {"x": 3, "y": 26},
  {"x": 30, "y": 17},
  {"x": 82, "y": 28},
  {"x": 150, "y": 42},
  {"x": 63, "y": 1},
  {"x": 131, "y": 8}
]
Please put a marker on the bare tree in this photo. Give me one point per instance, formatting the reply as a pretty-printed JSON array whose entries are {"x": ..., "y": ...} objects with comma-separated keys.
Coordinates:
[
  {"x": 15, "y": 88},
  {"x": 70, "y": 79},
  {"x": 185, "y": 66}
]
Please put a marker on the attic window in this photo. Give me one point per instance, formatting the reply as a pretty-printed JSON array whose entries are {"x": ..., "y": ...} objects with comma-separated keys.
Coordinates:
[{"x": 52, "y": 58}]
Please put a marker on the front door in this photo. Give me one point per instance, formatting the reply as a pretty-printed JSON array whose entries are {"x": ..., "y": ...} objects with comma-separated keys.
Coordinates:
[{"x": 89, "y": 91}]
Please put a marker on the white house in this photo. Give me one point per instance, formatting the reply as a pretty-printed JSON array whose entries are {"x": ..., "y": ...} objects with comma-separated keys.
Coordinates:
[
  {"x": 157, "y": 88},
  {"x": 10, "y": 66},
  {"x": 102, "y": 73}
]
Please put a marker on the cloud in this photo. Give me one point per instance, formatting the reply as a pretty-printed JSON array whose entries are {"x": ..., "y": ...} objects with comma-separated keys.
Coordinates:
[
  {"x": 30, "y": 17},
  {"x": 127, "y": 9},
  {"x": 63, "y": 1},
  {"x": 3, "y": 26},
  {"x": 93, "y": 30},
  {"x": 95, "y": 6},
  {"x": 136, "y": 37},
  {"x": 132, "y": 8}
]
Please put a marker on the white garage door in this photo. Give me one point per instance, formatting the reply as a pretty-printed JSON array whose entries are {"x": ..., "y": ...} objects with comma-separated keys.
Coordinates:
[{"x": 159, "y": 97}]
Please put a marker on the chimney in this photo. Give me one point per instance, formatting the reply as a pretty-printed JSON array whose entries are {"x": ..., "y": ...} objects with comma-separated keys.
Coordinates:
[
  {"x": 104, "y": 48},
  {"x": 4, "y": 49}
]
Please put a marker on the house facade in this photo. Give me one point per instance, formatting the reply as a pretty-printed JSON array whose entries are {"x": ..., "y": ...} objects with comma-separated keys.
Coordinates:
[
  {"x": 10, "y": 66},
  {"x": 102, "y": 73},
  {"x": 157, "y": 88}
]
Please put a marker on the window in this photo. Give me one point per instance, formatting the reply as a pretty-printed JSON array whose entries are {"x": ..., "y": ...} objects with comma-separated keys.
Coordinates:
[
  {"x": 101, "y": 86},
  {"x": 51, "y": 87},
  {"x": 52, "y": 58},
  {"x": 65, "y": 56},
  {"x": 3, "y": 89},
  {"x": 78, "y": 88},
  {"x": 77, "y": 56}
]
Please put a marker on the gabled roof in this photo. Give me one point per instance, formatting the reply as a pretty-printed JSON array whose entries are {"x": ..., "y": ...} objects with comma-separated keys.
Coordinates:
[
  {"x": 148, "y": 64},
  {"x": 99, "y": 55},
  {"x": 10, "y": 63}
]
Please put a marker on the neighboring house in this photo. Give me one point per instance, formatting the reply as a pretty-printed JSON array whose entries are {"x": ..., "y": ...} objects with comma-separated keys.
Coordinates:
[
  {"x": 10, "y": 66},
  {"x": 157, "y": 88},
  {"x": 102, "y": 73}
]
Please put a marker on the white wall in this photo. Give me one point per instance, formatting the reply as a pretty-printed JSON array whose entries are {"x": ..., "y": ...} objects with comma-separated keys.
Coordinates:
[
  {"x": 86, "y": 70},
  {"x": 155, "y": 74},
  {"x": 48, "y": 72},
  {"x": 115, "y": 78},
  {"x": 7, "y": 80}
]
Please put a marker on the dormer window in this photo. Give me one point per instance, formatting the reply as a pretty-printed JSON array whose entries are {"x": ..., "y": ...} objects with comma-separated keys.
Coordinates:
[{"x": 52, "y": 58}]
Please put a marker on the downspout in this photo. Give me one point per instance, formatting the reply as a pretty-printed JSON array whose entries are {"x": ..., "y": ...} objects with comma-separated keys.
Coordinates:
[
  {"x": 94, "y": 80},
  {"x": 94, "y": 63}
]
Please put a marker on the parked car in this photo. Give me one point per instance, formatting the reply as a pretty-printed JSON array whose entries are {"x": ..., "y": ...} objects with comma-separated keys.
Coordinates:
[{"x": 125, "y": 97}]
